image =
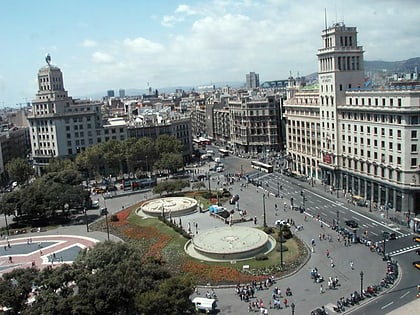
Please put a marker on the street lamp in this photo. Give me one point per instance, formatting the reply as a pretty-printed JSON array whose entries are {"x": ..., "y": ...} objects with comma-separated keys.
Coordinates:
[
  {"x": 106, "y": 220},
  {"x": 293, "y": 308},
  {"x": 384, "y": 259},
  {"x": 338, "y": 218},
  {"x": 278, "y": 189},
  {"x": 265, "y": 219},
  {"x": 208, "y": 177},
  {"x": 361, "y": 284},
  {"x": 86, "y": 220},
  {"x": 281, "y": 246},
  {"x": 106, "y": 217}
]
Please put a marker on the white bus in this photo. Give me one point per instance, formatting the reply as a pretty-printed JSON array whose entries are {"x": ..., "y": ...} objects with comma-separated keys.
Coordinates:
[
  {"x": 223, "y": 152},
  {"x": 262, "y": 166}
]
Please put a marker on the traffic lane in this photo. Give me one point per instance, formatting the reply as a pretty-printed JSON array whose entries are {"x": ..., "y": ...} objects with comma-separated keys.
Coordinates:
[{"x": 404, "y": 292}]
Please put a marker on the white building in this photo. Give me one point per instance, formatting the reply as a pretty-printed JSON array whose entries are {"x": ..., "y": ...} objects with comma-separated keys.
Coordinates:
[
  {"x": 366, "y": 140},
  {"x": 60, "y": 125}
]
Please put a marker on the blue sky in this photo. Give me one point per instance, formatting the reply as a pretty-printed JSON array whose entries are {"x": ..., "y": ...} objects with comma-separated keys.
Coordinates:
[{"x": 107, "y": 44}]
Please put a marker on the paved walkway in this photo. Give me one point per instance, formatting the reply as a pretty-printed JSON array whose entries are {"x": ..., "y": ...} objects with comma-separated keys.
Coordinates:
[{"x": 49, "y": 248}]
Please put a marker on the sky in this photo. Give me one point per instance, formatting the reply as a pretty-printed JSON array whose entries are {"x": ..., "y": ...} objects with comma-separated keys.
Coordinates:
[{"x": 107, "y": 44}]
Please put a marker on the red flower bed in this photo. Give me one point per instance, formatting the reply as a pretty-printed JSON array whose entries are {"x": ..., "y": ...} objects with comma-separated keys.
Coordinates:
[{"x": 216, "y": 274}]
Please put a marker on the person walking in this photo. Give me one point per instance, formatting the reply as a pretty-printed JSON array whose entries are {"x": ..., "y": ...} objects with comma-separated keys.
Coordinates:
[
  {"x": 327, "y": 252},
  {"x": 351, "y": 265},
  {"x": 321, "y": 289}
]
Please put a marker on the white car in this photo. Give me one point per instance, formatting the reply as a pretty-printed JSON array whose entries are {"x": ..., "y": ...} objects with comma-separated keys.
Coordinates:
[{"x": 279, "y": 223}]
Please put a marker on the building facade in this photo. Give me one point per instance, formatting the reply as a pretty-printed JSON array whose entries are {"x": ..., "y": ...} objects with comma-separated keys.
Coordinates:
[
  {"x": 255, "y": 124},
  {"x": 363, "y": 140},
  {"x": 59, "y": 125},
  {"x": 252, "y": 80}
]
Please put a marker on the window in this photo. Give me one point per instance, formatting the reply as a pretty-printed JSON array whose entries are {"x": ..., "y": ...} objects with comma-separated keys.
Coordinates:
[
  {"x": 398, "y": 146},
  {"x": 390, "y": 145},
  {"x": 398, "y": 133},
  {"x": 399, "y": 102},
  {"x": 413, "y": 162},
  {"x": 413, "y": 148},
  {"x": 413, "y": 134},
  {"x": 399, "y": 160}
]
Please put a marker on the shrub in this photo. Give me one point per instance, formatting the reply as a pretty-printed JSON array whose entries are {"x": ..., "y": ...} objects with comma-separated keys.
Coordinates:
[
  {"x": 282, "y": 248},
  {"x": 269, "y": 230},
  {"x": 261, "y": 257},
  {"x": 114, "y": 218}
]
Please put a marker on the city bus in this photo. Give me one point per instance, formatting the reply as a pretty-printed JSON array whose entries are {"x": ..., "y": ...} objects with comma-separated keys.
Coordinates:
[
  {"x": 223, "y": 152},
  {"x": 262, "y": 166}
]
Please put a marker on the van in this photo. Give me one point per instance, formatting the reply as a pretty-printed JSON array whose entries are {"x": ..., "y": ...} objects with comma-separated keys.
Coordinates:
[{"x": 204, "y": 304}]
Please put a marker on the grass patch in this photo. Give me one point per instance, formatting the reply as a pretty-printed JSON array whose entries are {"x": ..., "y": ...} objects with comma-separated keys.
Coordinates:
[{"x": 161, "y": 241}]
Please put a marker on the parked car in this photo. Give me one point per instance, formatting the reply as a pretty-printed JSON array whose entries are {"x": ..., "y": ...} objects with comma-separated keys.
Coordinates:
[
  {"x": 319, "y": 311},
  {"x": 279, "y": 223},
  {"x": 351, "y": 223},
  {"x": 389, "y": 236}
]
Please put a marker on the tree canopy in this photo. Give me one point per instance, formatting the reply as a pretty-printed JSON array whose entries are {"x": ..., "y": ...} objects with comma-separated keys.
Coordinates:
[
  {"x": 131, "y": 156},
  {"x": 111, "y": 278},
  {"x": 19, "y": 170}
]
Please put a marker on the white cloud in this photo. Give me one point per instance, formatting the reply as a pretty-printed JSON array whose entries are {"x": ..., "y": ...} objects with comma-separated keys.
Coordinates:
[
  {"x": 223, "y": 40},
  {"x": 89, "y": 43},
  {"x": 142, "y": 45},
  {"x": 102, "y": 57},
  {"x": 185, "y": 9},
  {"x": 170, "y": 20}
]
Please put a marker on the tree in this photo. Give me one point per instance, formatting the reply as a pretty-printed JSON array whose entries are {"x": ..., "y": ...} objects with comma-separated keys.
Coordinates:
[
  {"x": 170, "y": 161},
  {"x": 56, "y": 165},
  {"x": 19, "y": 170},
  {"x": 198, "y": 185}
]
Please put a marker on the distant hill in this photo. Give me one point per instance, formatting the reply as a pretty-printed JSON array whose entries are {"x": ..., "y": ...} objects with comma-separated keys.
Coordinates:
[{"x": 403, "y": 66}]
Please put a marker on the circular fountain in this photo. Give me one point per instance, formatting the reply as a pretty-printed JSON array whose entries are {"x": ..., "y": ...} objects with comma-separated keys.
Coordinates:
[
  {"x": 230, "y": 243},
  {"x": 169, "y": 206}
]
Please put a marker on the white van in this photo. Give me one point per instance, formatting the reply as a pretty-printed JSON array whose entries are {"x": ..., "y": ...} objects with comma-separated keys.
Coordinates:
[{"x": 204, "y": 304}]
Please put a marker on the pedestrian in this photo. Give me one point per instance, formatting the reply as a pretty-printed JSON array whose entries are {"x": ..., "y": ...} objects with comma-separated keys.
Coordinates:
[
  {"x": 10, "y": 259},
  {"x": 351, "y": 265},
  {"x": 321, "y": 289},
  {"x": 285, "y": 302},
  {"x": 255, "y": 220},
  {"x": 332, "y": 263},
  {"x": 327, "y": 252}
]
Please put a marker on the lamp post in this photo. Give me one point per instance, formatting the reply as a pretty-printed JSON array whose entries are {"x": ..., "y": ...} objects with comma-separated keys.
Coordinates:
[
  {"x": 106, "y": 220},
  {"x": 7, "y": 225},
  {"x": 86, "y": 220},
  {"x": 293, "y": 308},
  {"x": 281, "y": 246},
  {"x": 265, "y": 219},
  {"x": 208, "y": 177},
  {"x": 338, "y": 218},
  {"x": 278, "y": 189},
  {"x": 384, "y": 258},
  {"x": 361, "y": 284}
]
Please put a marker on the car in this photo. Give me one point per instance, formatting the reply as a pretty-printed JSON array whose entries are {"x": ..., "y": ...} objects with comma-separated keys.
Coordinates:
[
  {"x": 351, "y": 223},
  {"x": 319, "y": 311},
  {"x": 279, "y": 223},
  {"x": 389, "y": 236}
]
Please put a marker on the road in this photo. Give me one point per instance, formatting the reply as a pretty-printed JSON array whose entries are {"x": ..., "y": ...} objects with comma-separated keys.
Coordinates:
[
  {"x": 318, "y": 201},
  {"x": 333, "y": 208}
]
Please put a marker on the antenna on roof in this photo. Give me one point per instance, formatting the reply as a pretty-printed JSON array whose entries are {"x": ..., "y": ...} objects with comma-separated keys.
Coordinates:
[
  {"x": 325, "y": 18},
  {"x": 48, "y": 58}
]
